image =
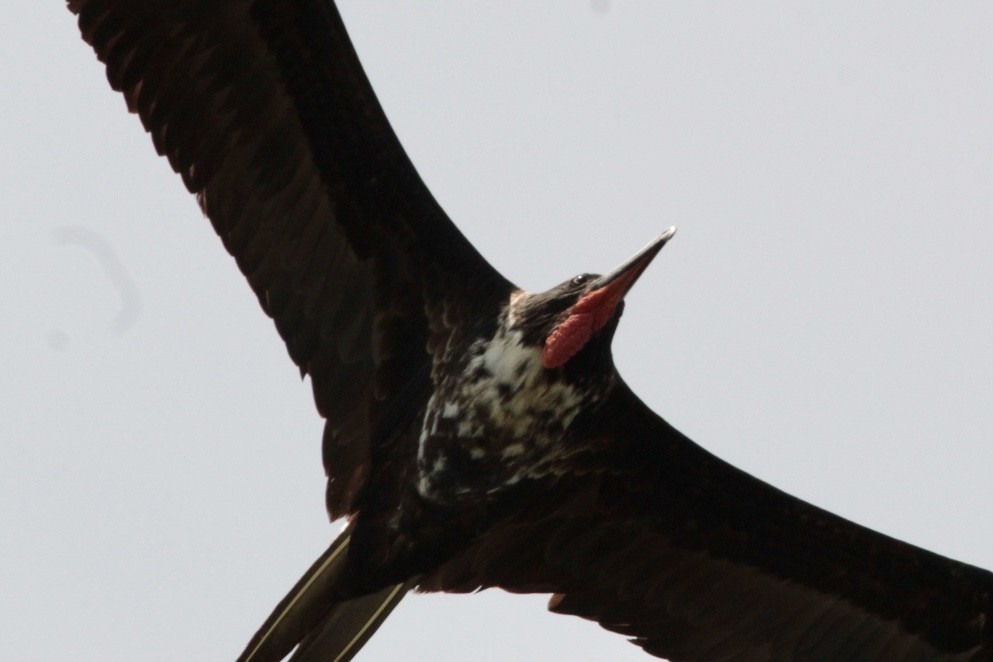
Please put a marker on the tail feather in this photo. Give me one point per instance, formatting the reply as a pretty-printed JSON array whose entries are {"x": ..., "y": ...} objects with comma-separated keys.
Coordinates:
[
  {"x": 344, "y": 632},
  {"x": 310, "y": 616}
]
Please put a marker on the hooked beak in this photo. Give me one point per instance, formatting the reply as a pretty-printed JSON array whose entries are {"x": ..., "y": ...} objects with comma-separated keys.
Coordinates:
[
  {"x": 616, "y": 284},
  {"x": 598, "y": 306}
]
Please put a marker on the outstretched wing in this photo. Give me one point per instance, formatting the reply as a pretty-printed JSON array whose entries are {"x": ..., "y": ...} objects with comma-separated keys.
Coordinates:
[
  {"x": 657, "y": 539},
  {"x": 263, "y": 108}
]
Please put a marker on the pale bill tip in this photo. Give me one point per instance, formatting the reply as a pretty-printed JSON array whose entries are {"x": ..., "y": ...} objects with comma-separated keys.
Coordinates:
[{"x": 656, "y": 244}]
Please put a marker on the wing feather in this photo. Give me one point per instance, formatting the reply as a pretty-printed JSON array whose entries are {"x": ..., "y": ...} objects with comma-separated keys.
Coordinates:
[
  {"x": 696, "y": 560},
  {"x": 263, "y": 109}
]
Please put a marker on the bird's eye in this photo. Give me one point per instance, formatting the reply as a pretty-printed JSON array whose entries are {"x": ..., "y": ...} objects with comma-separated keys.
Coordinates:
[{"x": 581, "y": 279}]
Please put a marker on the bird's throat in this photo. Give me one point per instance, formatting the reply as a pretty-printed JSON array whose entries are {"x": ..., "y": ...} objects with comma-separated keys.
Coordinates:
[{"x": 499, "y": 417}]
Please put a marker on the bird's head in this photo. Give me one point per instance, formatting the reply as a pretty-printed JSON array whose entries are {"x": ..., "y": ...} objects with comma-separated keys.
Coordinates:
[{"x": 583, "y": 311}]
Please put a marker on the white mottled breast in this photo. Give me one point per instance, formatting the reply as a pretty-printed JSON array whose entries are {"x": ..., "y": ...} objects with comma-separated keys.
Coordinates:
[{"x": 499, "y": 421}]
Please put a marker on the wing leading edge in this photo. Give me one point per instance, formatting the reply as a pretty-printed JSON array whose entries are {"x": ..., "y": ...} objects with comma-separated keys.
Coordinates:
[
  {"x": 264, "y": 110},
  {"x": 262, "y": 107},
  {"x": 697, "y": 560}
]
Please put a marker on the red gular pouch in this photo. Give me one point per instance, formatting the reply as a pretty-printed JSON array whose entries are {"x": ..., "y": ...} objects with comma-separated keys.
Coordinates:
[
  {"x": 595, "y": 308},
  {"x": 586, "y": 318}
]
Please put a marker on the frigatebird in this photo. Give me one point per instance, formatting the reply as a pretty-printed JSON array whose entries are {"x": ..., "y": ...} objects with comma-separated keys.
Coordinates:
[{"x": 478, "y": 434}]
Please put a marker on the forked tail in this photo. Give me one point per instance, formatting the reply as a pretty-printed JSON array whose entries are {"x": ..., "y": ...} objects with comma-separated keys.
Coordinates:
[{"x": 327, "y": 630}]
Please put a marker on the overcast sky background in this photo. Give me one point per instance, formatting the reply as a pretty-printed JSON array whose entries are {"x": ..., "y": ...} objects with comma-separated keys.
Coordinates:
[{"x": 823, "y": 318}]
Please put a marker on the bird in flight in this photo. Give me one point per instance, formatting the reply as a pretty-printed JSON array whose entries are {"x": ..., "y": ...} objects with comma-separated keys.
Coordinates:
[{"x": 478, "y": 434}]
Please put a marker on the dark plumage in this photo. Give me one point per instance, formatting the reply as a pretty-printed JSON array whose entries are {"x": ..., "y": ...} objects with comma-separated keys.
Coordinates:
[{"x": 263, "y": 109}]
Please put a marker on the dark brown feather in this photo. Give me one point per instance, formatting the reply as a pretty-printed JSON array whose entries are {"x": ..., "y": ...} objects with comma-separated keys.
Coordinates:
[
  {"x": 263, "y": 109},
  {"x": 336, "y": 629},
  {"x": 696, "y": 560}
]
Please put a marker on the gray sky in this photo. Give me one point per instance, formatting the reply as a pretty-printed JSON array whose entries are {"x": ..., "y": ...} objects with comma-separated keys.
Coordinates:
[{"x": 821, "y": 320}]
